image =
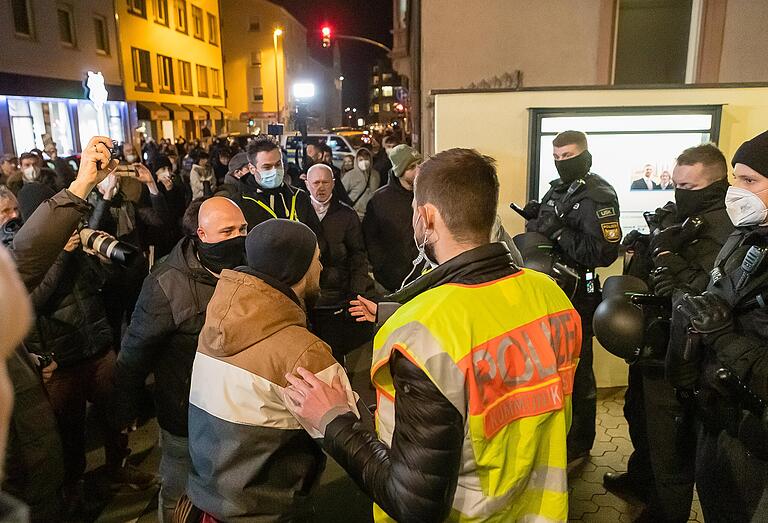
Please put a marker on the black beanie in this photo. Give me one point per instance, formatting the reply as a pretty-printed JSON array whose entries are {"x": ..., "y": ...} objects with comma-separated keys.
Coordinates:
[
  {"x": 31, "y": 196},
  {"x": 282, "y": 249},
  {"x": 754, "y": 153}
]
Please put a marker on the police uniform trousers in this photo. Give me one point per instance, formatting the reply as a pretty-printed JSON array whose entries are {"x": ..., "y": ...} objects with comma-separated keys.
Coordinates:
[
  {"x": 584, "y": 399},
  {"x": 731, "y": 481},
  {"x": 639, "y": 464},
  {"x": 671, "y": 441}
]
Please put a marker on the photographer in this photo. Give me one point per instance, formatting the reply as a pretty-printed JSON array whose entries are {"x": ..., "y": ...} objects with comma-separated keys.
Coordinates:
[
  {"x": 34, "y": 460},
  {"x": 726, "y": 329},
  {"x": 681, "y": 249},
  {"x": 132, "y": 209}
]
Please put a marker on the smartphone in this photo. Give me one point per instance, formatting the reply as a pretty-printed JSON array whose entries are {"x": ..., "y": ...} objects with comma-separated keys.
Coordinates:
[{"x": 126, "y": 170}]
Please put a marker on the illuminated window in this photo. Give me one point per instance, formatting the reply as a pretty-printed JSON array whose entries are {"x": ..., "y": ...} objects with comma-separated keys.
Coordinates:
[
  {"x": 376, "y": 92},
  {"x": 102, "y": 34},
  {"x": 161, "y": 12},
  {"x": 22, "y": 17},
  {"x": 66, "y": 25},
  {"x": 387, "y": 90},
  {"x": 197, "y": 23},
  {"x": 386, "y": 77},
  {"x": 142, "y": 69},
  {"x": 387, "y": 107},
  {"x": 165, "y": 73},
  {"x": 213, "y": 30},
  {"x": 138, "y": 7},
  {"x": 215, "y": 91},
  {"x": 181, "y": 16},
  {"x": 185, "y": 77},
  {"x": 202, "y": 80},
  {"x": 375, "y": 108}
]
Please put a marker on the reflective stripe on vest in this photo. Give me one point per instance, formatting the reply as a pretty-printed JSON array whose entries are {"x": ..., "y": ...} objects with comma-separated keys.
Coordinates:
[
  {"x": 504, "y": 354},
  {"x": 293, "y": 216}
]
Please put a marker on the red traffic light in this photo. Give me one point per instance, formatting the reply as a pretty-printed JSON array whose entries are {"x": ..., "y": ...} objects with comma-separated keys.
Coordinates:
[{"x": 326, "y": 32}]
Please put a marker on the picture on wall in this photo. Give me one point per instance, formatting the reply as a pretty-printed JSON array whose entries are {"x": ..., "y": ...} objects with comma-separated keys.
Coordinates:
[{"x": 633, "y": 148}]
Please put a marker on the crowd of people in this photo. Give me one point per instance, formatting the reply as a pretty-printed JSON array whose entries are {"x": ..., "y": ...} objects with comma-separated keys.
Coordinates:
[{"x": 234, "y": 281}]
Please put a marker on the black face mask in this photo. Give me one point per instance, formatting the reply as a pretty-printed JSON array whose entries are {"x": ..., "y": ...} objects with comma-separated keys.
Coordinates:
[
  {"x": 573, "y": 168},
  {"x": 226, "y": 254},
  {"x": 691, "y": 203}
]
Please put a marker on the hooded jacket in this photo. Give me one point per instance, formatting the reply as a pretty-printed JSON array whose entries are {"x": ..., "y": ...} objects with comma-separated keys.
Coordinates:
[
  {"x": 361, "y": 185},
  {"x": 251, "y": 459},
  {"x": 162, "y": 338}
]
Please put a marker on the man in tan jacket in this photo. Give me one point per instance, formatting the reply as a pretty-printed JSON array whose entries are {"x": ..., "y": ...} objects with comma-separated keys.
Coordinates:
[{"x": 251, "y": 459}]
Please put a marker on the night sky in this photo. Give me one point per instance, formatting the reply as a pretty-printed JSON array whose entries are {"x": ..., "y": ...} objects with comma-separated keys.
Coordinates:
[{"x": 367, "y": 18}]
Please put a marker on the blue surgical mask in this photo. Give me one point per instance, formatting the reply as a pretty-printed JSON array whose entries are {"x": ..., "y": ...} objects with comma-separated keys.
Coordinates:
[{"x": 272, "y": 178}]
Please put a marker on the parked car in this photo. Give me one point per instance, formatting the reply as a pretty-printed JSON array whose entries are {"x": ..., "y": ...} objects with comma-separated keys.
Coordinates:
[{"x": 342, "y": 144}]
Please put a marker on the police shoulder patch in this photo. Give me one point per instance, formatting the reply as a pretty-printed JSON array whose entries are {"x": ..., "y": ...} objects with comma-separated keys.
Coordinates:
[
  {"x": 611, "y": 231},
  {"x": 606, "y": 213}
]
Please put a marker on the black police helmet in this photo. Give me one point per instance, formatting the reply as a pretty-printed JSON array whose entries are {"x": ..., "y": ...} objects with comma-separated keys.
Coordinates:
[
  {"x": 620, "y": 285},
  {"x": 619, "y": 326},
  {"x": 536, "y": 250}
]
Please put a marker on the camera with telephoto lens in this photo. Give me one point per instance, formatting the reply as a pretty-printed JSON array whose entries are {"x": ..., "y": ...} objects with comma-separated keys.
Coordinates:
[
  {"x": 105, "y": 244},
  {"x": 8, "y": 231},
  {"x": 630, "y": 322}
]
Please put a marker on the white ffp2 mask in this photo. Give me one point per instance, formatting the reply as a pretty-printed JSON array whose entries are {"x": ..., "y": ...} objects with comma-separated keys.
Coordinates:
[{"x": 744, "y": 207}]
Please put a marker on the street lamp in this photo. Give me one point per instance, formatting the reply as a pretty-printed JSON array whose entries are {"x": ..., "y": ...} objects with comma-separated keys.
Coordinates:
[
  {"x": 277, "y": 32},
  {"x": 303, "y": 90}
]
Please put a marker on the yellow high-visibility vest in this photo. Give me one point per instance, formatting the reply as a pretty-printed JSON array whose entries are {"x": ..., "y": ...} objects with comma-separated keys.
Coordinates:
[
  {"x": 504, "y": 354},
  {"x": 292, "y": 215}
]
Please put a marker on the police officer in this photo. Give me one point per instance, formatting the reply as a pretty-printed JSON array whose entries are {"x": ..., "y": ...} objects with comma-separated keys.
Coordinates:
[
  {"x": 580, "y": 213},
  {"x": 730, "y": 329},
  {"x": 685, "y": 239}
]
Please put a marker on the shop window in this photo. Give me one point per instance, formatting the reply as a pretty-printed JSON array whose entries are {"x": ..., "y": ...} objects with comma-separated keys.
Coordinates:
[
  {"x": 198, "y": 31},
  {"x": 213, "y": 30},
  {"x": 161, "y": 12},
  {"x": 185, "y": 77},
  {"x": 137, "y": 7},
  {"x": 256, "y": 58},
  {"x": 387, "y": 107},
  {"x": 215, "y": 90},
  {"x": 165, "y": 73},
  {"x": 66, "y": 25},
  {"x": 254, "y": 24},
  {"x": 115, "y": 121},
  {"x": 202, "y": 80},
  {"x": 142, "y": 69},
  {"x": 181, "y": 16},
  {"x": 30, "y": 120},
  {"x": 22, "y": 18},
  {"x": 257, "y": 95},
  {"x": 652, "y": 41},
  {"x": 387, "y": 90},
  {"x": 102, "y": 34},
  {"x": 375, "y": 108}
]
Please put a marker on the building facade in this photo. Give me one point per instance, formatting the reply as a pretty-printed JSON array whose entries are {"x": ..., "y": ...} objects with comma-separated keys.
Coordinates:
[
  {"x": 265, "y": 55},
  {"x": 522, "y": 44},
  {"x": 48, "y": 50},
  {"x": 386, "y": 108},
  {"x": 170, "y": 52}
]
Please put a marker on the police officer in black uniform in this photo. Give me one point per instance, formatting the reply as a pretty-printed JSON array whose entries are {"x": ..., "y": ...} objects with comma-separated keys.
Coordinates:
[
  {"x": 686, "y": 237},
  {"x": 580, "y": 213},
  {"x": 728, "y": 346}
]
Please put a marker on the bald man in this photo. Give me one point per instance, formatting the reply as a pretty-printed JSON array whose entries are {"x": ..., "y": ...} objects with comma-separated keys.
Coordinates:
[{"x": 162, "y": 336}]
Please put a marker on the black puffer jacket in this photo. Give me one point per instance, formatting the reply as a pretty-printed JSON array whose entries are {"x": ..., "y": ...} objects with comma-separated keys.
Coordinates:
[
  {"x": 415, "y": 479},
  {"x": 71, "y": 320},
  {"x": 162, "y": 338},
  {"x": 342, "y": 252}
]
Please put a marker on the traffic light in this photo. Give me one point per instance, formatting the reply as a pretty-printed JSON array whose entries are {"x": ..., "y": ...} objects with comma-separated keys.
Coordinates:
[{"x": 326, "y": 32}]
